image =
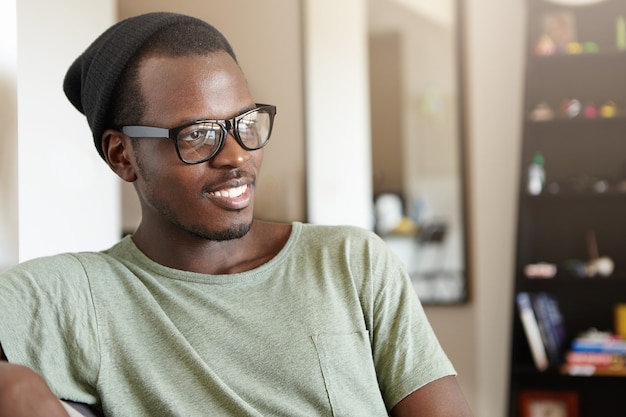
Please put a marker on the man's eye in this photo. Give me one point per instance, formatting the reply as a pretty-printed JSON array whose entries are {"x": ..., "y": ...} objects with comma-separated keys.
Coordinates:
[
  {"x": 200, "y": 134},
  {"x": 206, "y": 134}
]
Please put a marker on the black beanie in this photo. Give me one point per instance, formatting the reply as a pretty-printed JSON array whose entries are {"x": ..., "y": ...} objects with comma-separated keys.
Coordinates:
[{"x": 91, "y": 80}]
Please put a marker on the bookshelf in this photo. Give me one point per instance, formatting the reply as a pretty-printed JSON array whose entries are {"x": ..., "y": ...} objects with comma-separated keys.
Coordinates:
[{"x": 571, "y": 231}]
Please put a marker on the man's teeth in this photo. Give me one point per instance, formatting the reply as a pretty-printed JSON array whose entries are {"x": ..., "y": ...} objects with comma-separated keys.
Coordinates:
[{"x": 230, "y": 192}]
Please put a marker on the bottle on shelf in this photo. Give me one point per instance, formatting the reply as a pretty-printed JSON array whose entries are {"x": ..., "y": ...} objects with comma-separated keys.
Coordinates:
[{"x": 536, "y": 174}]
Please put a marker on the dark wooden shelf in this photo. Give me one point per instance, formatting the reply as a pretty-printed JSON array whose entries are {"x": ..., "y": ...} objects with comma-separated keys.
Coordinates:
[
  {"x": 578, "y": 122},
  {"x": 608, "y": 56},
  {"x": 584, "y": 195},
  {"x": 572, "y": 197}
]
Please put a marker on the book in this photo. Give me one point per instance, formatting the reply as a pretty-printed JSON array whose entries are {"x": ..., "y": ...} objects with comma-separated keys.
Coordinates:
[
  {"x": 592, "y": 358},
  {"x": 582, "y": 363},
  {"x": 600, "y": 342},
  {"x": 551, "y": 327},
  {"x": 596, "y": 353},
  {"x": 531, "y": 329},
  {"x": 543, "y": 326}
]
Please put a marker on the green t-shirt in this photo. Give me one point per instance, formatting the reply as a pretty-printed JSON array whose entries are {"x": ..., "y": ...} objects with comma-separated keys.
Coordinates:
[{"x": 329, "y": 327}]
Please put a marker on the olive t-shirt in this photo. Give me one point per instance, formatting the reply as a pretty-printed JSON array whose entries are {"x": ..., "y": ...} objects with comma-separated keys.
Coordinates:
[{"x": 330, "y": 326}]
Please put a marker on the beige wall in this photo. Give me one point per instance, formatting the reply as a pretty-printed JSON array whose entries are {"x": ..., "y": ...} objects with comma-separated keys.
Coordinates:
[
  {"x": 495, "y": 40},
  {"x": 386, "y": 97}
]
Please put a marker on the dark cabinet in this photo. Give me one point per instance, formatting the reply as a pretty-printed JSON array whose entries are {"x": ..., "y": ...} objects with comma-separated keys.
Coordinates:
[{"x": 571, "y": 235}]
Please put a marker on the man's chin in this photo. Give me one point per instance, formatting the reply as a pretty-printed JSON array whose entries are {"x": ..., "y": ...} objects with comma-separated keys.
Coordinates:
[{"x": 236, "y": 231}]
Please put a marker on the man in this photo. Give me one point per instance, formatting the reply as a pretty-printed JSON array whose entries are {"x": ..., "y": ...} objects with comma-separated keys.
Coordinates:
[{"x": 205, "y": 310}]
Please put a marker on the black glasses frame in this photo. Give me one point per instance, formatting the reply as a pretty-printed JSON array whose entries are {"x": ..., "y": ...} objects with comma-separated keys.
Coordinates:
[{"x": 227, "y": 125}]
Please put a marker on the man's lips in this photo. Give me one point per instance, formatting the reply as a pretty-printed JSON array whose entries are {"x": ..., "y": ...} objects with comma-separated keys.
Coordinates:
[
  {"x": 230, "y": 192},
  {"x": 232, "y": 198}
]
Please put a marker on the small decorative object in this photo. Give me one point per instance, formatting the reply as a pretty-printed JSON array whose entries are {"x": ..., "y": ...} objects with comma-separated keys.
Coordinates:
[
  {"x": 597, "y": 265},
  {"x": 388, "y": 209},
  {"x": 540, "y": 270},
  {"x": 536, "y": 174},
  {"x": 545, "y": 46},
  {"x": 574, "y": 48},
  {"x": 541, "y": 113},
  {"x": 603, "y": 266},
  {"x": 590, "y": 111},
  {"x": 406, "y": 226},
  {"x": 608, "y": 110},
  {"x": 560, "y": 27},
  {"x": 570, "y": 108},
  {"x": 601, "y": 186},
  {"x": 549, "y": 403},
  {"x": 590, "y": 47}
]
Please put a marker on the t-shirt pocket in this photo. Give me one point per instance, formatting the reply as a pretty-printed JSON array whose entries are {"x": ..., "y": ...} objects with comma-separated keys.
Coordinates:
[{"x": 348, "y": 370}]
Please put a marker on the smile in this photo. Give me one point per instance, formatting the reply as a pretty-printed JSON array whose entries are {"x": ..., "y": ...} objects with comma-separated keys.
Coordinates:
[{"x": 231, "y": 192}]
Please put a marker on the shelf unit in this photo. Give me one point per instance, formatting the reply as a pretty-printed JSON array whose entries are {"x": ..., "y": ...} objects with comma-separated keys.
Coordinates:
[{"x": 575, "y": 119}]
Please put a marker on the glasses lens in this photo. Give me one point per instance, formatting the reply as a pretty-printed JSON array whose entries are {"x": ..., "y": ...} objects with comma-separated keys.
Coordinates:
[
  {"x": 254, "y": 128},
  {"x": 199, "y": 141}
]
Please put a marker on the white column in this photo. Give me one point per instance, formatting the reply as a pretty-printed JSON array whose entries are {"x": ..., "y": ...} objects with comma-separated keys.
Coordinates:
[
  {"x": 339, "y": 189},
  {"x": 68, "y": 199},
  {"x": 8, "y": 134}
]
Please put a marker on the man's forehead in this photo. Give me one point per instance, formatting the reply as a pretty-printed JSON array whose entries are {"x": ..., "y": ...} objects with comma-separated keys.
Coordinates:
[{"x": 185, "y": 89}]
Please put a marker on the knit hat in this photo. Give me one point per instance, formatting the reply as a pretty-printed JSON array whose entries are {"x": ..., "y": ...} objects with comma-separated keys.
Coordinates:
[{"x": 91, "y": 80}]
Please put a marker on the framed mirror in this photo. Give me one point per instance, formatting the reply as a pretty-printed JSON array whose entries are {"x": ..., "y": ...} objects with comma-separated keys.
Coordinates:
[{"x": 417, "y": 130}]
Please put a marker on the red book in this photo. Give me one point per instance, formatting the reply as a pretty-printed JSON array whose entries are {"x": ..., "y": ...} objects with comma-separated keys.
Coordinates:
[{"x": 590, "y": 358}]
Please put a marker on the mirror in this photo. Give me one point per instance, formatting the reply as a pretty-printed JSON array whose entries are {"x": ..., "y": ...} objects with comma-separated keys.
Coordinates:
[{"x": 417, "y": 142}]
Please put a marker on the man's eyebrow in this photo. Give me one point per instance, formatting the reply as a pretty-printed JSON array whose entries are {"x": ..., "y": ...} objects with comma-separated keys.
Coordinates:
[
  {"x": 194, "y": 120},
  {"x": 246, "y": 108},
  {"x": 241, "y": 111}
]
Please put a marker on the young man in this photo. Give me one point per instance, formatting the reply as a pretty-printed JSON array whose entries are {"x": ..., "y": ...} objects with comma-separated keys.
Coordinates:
[{"x": 205, "y": 310}]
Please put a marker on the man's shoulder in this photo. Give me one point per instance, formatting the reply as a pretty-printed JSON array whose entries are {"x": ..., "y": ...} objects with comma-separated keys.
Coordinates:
[
  {"x": 339, "y": 233},
  {"x": 336, "y": 230},
  {"x": 63, "y": 263}
]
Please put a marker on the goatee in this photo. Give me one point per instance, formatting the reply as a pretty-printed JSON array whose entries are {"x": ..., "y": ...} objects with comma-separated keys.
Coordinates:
[{"x": 236, "y": 231}]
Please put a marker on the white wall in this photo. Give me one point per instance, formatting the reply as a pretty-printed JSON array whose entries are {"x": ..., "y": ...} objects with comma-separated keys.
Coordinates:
[
  {"x": 68, "y": 198},
  {"x": 339, "y": 174},
  {"x": 8, "y": 134}
]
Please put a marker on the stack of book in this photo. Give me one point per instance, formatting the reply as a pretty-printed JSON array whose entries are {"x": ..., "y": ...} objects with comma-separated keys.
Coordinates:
[
  {"x": 543, "y": 325},
  {"x": 596, "y": 353}
]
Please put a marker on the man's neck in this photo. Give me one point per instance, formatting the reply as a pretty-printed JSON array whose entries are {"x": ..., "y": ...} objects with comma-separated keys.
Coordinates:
[{"x": 186, "y": 252}]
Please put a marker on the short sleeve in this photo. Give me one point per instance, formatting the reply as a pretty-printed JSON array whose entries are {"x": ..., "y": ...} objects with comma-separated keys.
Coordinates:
[
  {"x": 407, "y": 353},
  {"x": 48, "y": 323}
]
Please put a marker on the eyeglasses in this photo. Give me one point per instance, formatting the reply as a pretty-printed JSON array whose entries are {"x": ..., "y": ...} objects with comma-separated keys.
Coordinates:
[{"x": 199, "y": 141}]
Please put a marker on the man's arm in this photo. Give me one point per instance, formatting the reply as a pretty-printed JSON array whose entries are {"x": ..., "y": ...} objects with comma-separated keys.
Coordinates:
[
  {"x": 440, "y": 398},
  {"x": 24, "y": 393}
]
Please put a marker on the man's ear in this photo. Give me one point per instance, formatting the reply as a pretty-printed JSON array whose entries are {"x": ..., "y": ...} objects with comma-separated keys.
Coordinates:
[{"x": 119, "y": 154}]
